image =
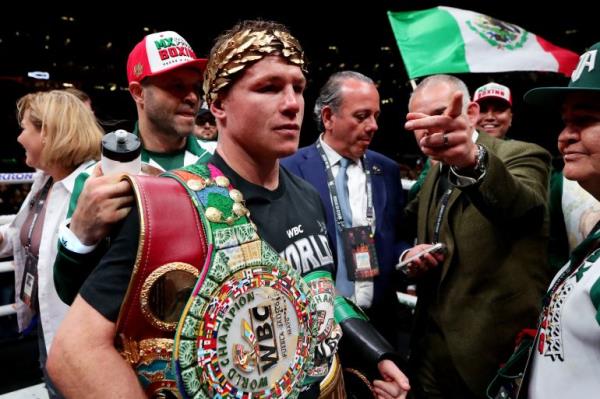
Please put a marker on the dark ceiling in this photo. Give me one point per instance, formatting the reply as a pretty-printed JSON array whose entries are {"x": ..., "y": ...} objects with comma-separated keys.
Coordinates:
[
  {"x": 89, "y": 49},
  {"x": 80, "y": 46}
]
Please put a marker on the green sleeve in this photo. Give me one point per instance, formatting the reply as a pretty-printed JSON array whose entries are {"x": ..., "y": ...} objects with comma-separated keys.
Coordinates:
[{"x": 77, "y": 188}]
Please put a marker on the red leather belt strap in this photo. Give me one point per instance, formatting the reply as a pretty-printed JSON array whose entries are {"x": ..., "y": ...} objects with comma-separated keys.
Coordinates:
[{"x": 167, "y": 234}]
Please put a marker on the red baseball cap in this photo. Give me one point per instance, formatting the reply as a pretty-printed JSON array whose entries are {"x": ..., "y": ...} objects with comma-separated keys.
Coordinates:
[
  {"x": 493, "y": 90},
  {"x": 159, "y": 53}
]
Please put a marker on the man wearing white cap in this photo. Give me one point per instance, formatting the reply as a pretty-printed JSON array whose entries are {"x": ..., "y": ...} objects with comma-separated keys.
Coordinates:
[
  {"x": 495, "y": 112},
  {"x": 165, "y": 81}
]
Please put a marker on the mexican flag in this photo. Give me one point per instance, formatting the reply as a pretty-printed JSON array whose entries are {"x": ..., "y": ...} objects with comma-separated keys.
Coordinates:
[{"x": 451, "y": 40}]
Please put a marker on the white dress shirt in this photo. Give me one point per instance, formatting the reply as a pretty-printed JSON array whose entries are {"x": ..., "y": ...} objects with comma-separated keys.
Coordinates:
[
  {"x": 52, "y": 309},
  {"x": 357, "y": 196}
]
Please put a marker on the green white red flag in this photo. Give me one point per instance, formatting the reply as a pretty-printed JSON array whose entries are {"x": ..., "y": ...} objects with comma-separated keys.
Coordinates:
[{"x": 451, "y": 40}]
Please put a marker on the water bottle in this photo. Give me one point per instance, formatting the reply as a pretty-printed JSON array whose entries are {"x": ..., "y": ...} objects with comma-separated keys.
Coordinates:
[{"x": 121, "y": 153}]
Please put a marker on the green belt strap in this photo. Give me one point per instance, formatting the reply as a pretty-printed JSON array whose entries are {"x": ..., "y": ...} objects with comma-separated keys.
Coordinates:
[{"x": 345, "y": 309}]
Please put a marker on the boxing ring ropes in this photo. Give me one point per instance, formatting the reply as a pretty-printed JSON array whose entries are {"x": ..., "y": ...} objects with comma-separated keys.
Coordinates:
[
  {"x": 27, "y": 177},
  {"x": 7, "y": 266}
]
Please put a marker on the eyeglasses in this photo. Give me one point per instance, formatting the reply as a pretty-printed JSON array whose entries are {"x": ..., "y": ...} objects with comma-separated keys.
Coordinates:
[{"x": 204, "y": 119}]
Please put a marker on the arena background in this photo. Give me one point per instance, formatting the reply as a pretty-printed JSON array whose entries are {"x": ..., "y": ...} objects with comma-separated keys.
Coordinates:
[
  {"x": 89, "y": 49},
  {"x": 87, "y": 46}
]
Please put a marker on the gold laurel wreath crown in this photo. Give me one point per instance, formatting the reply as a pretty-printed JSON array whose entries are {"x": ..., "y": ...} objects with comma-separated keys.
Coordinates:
[{"x": 243, "y": 49}]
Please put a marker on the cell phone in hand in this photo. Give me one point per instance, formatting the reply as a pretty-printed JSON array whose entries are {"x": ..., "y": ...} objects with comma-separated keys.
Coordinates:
[{"x": 434, "y": 249}]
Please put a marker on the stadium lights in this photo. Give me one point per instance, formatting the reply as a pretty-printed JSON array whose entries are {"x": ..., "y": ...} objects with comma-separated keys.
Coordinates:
[{"x": 39, "y": 75}]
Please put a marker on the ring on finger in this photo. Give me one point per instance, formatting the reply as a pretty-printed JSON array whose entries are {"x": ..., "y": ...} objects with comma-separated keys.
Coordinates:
[{"x": 445, "y": 138}]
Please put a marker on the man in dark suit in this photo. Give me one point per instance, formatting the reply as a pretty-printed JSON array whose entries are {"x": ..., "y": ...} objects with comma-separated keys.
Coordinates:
[
  {"x": 486, "y": 200},
  {"x": 346, "y": 111}
]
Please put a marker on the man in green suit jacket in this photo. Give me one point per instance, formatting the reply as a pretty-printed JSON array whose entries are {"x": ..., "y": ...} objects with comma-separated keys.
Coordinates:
[{"x": 486, "y": 201}]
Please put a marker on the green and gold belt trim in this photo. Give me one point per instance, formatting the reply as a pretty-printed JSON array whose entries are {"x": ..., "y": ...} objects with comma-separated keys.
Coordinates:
[{"x": 249, "y": 328}]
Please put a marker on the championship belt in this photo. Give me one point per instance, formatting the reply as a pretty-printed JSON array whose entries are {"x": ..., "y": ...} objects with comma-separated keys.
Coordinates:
[
  {"x": 248, "y": 328},
  {"x": 332, "y": 386},
  {"x": 169, "y": 260}
]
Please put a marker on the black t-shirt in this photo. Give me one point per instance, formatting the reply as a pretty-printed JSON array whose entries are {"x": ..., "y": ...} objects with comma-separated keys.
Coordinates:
[{"x": 290, "y": 218}]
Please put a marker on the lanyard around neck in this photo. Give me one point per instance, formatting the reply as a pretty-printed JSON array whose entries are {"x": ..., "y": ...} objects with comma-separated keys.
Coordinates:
[
  {"x": 333, "y": 193},
  {"x": 440, "y": 214},
  {"x": 39, "y": 204}
]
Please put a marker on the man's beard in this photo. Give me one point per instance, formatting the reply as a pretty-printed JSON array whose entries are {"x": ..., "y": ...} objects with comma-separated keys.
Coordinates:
[{"x": 164, "y": 124}]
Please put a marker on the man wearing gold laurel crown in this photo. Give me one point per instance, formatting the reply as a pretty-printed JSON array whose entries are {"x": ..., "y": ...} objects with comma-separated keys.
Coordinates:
[{"x": 262, "y": 320}]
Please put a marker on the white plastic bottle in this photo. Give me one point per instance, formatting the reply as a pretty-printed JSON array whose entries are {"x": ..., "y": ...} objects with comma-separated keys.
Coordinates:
[{"x": 121, "y": 153}]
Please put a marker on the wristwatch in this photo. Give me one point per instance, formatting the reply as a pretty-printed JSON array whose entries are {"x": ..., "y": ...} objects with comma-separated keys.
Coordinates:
[{"x": 466, "y": 178}]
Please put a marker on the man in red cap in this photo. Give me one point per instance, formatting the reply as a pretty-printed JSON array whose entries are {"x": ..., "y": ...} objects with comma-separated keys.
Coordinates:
[
  {"x": 165, "y": 81},
  {"x": 495, "y": 112}
]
